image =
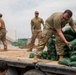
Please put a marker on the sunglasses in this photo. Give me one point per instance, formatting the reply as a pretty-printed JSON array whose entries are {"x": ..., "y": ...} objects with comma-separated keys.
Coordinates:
[{"x": 65, "y": 18}]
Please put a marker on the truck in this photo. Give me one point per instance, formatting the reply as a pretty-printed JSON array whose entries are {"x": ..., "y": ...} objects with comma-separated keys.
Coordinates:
[{"x": 20, "y": 64}]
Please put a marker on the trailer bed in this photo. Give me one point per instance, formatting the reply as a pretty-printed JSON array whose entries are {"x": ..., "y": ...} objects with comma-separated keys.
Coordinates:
[
  {"x": 22, "y": 55},
  {"x": 20, "y": 58}
]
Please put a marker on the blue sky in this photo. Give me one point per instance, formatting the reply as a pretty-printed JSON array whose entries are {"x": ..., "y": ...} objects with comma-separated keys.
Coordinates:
[{"x": 18, "y": 13}]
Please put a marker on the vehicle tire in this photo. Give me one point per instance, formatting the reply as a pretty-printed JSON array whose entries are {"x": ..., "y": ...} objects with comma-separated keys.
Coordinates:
[
  {"x": 11, "y": 71},
  {"x": 34, "y": 72}
]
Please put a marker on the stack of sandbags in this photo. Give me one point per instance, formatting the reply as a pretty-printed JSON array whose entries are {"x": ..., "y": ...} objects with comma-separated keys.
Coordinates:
[
  {"x": 71, "y": 61},
  {"x": 69, "y": 34},
  {"x": 69, "y": 54},
  {"x": 73, "y": 58},
  {"x": 67, "y": 50}
]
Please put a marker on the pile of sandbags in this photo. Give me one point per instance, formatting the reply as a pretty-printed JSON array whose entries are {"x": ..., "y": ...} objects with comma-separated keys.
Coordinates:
[
  {"x": 70, "y": 36},
  {"x": 71, "y": 60},
  {"x": 69, "y": 55}
]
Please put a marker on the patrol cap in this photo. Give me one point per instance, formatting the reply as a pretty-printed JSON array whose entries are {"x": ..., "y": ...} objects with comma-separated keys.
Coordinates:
[
  {"x": 36, "y": 12},
  {"x": 0, "y": 15}
]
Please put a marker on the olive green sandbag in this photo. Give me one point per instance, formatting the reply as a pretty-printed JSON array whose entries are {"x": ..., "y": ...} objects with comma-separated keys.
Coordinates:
[
  {"x": 69, "y": 31},
  {"x": 73, "y": 63},
  {"x": 65, "y": 61},
  {"x": 31, "y": 55},
  {"x": 73, "y": 53},
  {"x": 69, "y": 37},
  {"x": 51, "y": 44},
  {"x": 73, "y": 43},
  {"x": 66, "y": 51},
  {"x": 52, "y": 55},
  {"x": 44, "y": 55},
  {"x": 73, "y": 58},
  {"x": 74, "y": 48}
]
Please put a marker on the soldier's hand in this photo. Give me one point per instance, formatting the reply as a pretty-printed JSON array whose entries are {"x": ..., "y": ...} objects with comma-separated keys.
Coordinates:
[{"x": 68, "y": 43}]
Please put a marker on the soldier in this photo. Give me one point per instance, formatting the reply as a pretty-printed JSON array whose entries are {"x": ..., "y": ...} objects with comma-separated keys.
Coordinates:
[
  {"x": 35, "y": 29},
  {"x": 3, "y": 67},
  {"x": 3, "y": 33},
  {"x": 54, "y": 25}
]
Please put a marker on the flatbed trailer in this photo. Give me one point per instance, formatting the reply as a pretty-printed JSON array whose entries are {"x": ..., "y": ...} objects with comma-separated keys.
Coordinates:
[{"x": 20, "y": 64}]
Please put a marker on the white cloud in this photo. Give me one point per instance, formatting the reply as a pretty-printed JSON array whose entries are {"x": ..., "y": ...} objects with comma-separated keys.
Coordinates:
[{"x": 18, "y": 13}]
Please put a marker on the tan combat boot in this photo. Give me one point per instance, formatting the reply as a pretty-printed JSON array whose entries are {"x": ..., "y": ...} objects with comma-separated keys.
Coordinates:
[
  {"x": 5, "y": 48},
  {"x": 36, "y": 58},
  {"x": 60, "y": 57}
]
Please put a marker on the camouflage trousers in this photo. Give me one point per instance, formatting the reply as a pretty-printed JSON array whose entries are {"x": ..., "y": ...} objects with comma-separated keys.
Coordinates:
[
  {"x": 3, "y": 37},
  {"x": 46, "y": 34},
  {"x": 35, "y": 34},
  {"x": 59, "y": 44}
]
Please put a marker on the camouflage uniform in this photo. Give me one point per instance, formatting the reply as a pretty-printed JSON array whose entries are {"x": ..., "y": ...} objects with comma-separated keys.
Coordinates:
[
  {"x": 36, "y": 30},
  {"x": 2, "y": 32},
  {"x": 51, "y": 24},
  {"x": 59, "y": 44}
]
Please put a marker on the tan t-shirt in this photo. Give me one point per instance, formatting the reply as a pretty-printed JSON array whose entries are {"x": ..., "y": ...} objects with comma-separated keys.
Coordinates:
[
  {"x": 54, "y": 21},
  {"x": 36, "y": 23}
]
